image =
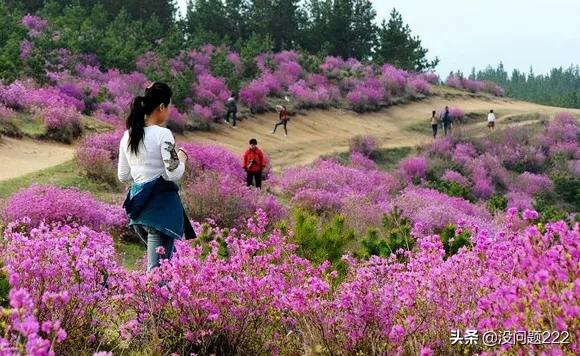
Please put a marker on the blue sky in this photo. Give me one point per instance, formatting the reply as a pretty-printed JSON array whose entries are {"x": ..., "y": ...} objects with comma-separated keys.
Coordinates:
[{"x": 467, "y": 33}]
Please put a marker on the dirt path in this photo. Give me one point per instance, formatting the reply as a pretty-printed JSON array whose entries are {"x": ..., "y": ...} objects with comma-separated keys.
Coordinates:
[
  {"x": 318, "y": 132},
  {"x": 20, "y": 157},
  {"x": 322, "y": 132}
]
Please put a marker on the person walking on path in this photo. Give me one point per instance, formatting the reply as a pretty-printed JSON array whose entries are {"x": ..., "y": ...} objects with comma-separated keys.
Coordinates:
[
  {"x": 491, "y": 120},
  {"x": 447, "y": 121},
  {"x": 232, "y": 109},
  {"x": 434, "y": 123},
  {"x": 148, "y": 159},
  {"x": 254, "y": 163},
  {"x": 284, "y": 118}
]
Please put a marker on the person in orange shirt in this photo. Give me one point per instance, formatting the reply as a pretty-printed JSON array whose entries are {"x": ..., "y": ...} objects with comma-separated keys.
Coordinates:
[{"x": 254, "y": 164}]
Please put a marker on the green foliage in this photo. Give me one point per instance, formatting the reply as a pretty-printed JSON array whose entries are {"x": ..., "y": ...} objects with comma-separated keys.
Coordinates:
[
  {"x": 11, "y": 33},
  {"x": 497, "y": 203},
  {"x": 222, "y": 67},
  {"x": 395, "y": 234},
  {"x": 250, "y": 49},
  {"x": 4, "y": 289},
  {"x": 568, "y": 189},
  {"x": 320, "y": 240},
  {"x": 453, "y": 189},
  {"x": 452, "y": 241},
  {"x": 399, "y": 47},
  {"x": 137, "y": 10},
  {"x": 560, "y": 87}
]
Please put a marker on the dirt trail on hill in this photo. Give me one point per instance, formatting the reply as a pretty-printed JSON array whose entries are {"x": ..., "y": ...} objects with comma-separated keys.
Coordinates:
[
  {"x": 316, "y": 133},
  {"x": 20, "y": 157},
  {"x": 322, "y": 132}
]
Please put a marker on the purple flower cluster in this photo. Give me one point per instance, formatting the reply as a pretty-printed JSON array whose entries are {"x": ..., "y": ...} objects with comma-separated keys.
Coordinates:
[
  {"x": 52, "y": 204},
  {"x": 210, "y": 95},
  {"x": 367, "y": 94},
  {"x": 431, "y": 210},
  {"x": 327, "y": 185},
  {"x": 98, "y": 154},
  {"x": 63, "y": 280},
  {"x": 413, "y": 167},
  {"x": 364, "y": 144},
  {"x": 456, "y": 177},
  {"x": 34, "y": 24},
  {"x": 474, "y": 86}
]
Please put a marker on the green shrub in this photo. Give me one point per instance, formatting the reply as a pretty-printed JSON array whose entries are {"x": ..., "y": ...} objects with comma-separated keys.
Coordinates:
[
  {"x": 453, "y": 189},
  {"x": 395, "y": 234},
  {"x": 497, "y": 203},
  {"x": 452, "y": 241},
  {"x": 320, "y": 240},
  {"x": 568, "y": 189}
]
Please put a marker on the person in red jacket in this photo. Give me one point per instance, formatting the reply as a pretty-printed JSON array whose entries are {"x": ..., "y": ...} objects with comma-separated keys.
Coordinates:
[{"x": 254, "y": 164}]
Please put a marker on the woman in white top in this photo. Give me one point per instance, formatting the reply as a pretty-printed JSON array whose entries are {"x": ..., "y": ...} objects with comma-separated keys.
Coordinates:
[
  {"x": 148, "y": 158},
  {"x": 491, "y": 120}
]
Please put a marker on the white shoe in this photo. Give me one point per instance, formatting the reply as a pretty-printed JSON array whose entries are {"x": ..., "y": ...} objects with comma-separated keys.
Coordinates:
[
  {"x": 286, "y": 135},
  {"x": 272, "y": 132},
  {"x": 234, "y": 127}
]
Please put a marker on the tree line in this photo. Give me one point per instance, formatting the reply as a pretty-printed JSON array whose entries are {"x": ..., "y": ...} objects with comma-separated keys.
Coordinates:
[
  {"x": 120, "y": 31},
  {"x": 559, "y": 87}
]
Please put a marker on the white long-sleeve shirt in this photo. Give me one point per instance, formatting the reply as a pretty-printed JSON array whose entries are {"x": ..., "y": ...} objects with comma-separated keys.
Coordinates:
[
  {"x": 157, "y": 157},
  {"x": 491, "y": 117}
]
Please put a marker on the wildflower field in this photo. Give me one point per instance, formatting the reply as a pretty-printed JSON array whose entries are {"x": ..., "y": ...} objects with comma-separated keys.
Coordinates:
[{"x": 339, "y": 257}]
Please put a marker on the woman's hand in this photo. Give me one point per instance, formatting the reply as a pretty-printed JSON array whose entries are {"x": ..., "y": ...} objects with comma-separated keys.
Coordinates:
[{"x": 182, "y": 155}]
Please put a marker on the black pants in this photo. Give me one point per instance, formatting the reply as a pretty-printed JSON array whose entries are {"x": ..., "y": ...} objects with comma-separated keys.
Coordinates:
[
  {"x": 434, "y": 127},
  {"x": 234, "y": 117},
  {"x": 281, "y": 122},
  {"x": 257, "y": 176},
  {"x": 447, "y": 128}
]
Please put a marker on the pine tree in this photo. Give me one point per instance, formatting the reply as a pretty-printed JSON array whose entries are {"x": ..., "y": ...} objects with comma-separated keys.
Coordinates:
[{"x": 398, "y": 46}]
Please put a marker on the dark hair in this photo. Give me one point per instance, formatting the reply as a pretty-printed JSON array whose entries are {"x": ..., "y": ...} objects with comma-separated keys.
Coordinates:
[
  {"x": 434, "y": 112},
  {"x": 155, "y": 95},
  {"x": 253, "y": 141},
  {"x": 447, "y": 108},
  {"x": 491, "y": 111}
]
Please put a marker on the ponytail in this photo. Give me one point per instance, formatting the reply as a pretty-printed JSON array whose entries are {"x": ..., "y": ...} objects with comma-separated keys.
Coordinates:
[
  {"x": 136, "y": 124},
  {"x": 155, "y": 95}
]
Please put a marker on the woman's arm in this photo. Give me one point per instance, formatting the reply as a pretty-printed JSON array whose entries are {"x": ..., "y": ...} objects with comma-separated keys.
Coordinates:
[
  {"x": 174, "y": 167},
  {"x": 123, "y": 168}
]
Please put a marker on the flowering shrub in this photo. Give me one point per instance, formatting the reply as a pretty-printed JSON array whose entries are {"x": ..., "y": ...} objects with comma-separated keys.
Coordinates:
[
  {"x": 210, "y": 96},
  {"x": 367, "y": 145},
  {"x": 213, "y": 158},
  {"x": 254, "y": 95},
  {"x": 226, "y": 200},
  {"x": 418, "y": 85},
  {"x": 6, "y": 113},
  {"x": 316, "y": 91},
  {"x": 474, "y": 86},
  {"x": 531, "y": 184},
  {"x": 53, "y": 204},
  {"x": 34, "y": 24},
  {"x": 63, "y": 279},
  {"x": 452, "y": 176},
  {"x": 97, "y": 155},
  {"x": 327, "y": 185},
  {"x": 413, "y": 167},
  {"x": 177, "y": 121},
  {"x": 366, "y": 95}
]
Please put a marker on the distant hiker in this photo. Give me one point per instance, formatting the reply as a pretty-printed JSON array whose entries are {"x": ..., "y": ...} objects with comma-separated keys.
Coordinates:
[
  {"x": 284, "y": 118},
  {"x": 446, "y": 121},
  {"x": 491, "y": 120},
  {"x": 254, "y": 164},
  {"x": 232, "y": 109},
  {"x": 148, "y": 158},
  {"x": 434, "y": 123}
]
